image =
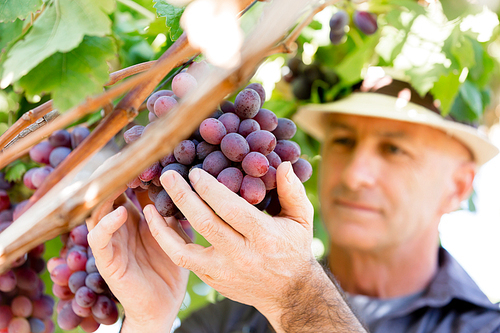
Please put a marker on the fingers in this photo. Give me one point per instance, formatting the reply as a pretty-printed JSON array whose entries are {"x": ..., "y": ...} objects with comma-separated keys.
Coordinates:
[
  {"x": 292, "y": 196},
  {"x": 105, "y": 207},
  {"x": 100, "y": 236},
  {"x": 201, "y": 216},
  {"x": 180, "y": 250},
  {"x": 233, "y": 209}
]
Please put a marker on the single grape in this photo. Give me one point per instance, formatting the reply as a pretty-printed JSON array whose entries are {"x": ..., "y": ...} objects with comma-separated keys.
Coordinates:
[
  {"x": 285, "y": 130},
  {"x": 231, "y": 122},
  {"x": 212, "y": 131},
  {"x": 26, "y": 278},
  {"x": 43, "y": 307},
  {"x": 133, "y": 133},
  {"x": 60, "y": 274},
  {"x": 185, "y": 152},
  {"x": 39, "y": 175},
  {"x": 21, "y": 306},
  {"x": 274, "y": 159},
  {"x": 287, "y": 150},
  {"x": 253, "y": 190},
  {"x": 199, "y": 69},
  {"x": 264, "y": 203},
  {"x": 36, "y": 325},
  {"x": 177, "y": 167},
  {"x": 79, "y": 310},
  {"x": 168, "y": 159},
  {"x": 301, "y": 87},
  {"x": 152, "y": 99},
  {"x": 61, "y": 292},
  {"x": 67, "y": 318},
  {"x": 104, "y": 308},
  {"x": 4, "y": 200},
  {"x": 85, "y": 297},
  {"x": 248, "y": 126},
  {"x": 336, "y": 37},
  {"x": 227, "y": 107},
  {"x": 302, "y": 169},
  {"x": 215, "y": 162},
  {"x": 255, "y": 164},
  {"x": 5, "y": 316},
  {"x": 183, "y": 83},
  {"x": 90, "y": 266},
  {"x": 164, "y": 105},
  {"x": 60, "y": 138},
  {"x": 152, "y": 117},
  {"x": 89, "y": 324},
  {"x": 261, "y": 141},
  {"x": 77, "y": 260},
  {"x": 28, "y": 179},
  {"x": 95, "y": 282},
  {"x": 204, "y": 148},
  {"x": 153, "y": 192},
  {"x": 365, "y": 21},
  {"x": 77, "y": 280},
  {"x": 78, "y": 134},
  {"x": 338, "y": 21},
  {"x": 164, "y": 204},
  {"x": 266, "y": 119},
  {"x": 150, "y": 172},
  {"x": 58, "y": 155},
  {"x": 19, "y": 325},
  {"x": 232, "y": 178},
  {"x": 274, "y": 207},
  {"x": 40, "y": 153},
  {"x": 8, "y": 281},
  {"x": 260, "y": 90},
  {"x": 54, "y": 262},
  {"x": 234, "y": 147},
  {"x": 247, "y": 103},
  {"x": 269, "y": 178},
  {"x": 79, "y": 235},
  {"x": 217, "y": 113}
]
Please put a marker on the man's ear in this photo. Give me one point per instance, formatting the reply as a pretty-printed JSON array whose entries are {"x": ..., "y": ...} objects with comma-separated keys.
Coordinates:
[{"x": 461, "y": 186}]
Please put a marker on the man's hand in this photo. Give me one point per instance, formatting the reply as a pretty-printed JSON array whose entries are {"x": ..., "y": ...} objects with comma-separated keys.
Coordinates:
[
  {"x": 147, "y": 283},
  {"x": 254, "y": 258}
]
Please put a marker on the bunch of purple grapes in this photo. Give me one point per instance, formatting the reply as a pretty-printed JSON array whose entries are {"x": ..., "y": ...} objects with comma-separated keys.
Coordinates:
[
  {"x": 85, "y": 299},
  {"x": 241, "y": 145},
  {"x": 24, "y": 307},
  {"x": 52, "y": 152},
  {"x": 365, "y": 21}
]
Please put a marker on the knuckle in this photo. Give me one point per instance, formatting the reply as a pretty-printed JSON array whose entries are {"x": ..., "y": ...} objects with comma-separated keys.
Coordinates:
[
  {"x": 180, "y": 260},
  {"x": 179, "y": 197},
  {"x": 207, "y": 226}
]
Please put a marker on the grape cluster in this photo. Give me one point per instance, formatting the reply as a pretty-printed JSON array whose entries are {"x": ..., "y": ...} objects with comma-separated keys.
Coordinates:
[
  {"x": 24, "y": 307},
  {"x": 52, "y": 152},
  {"x": 365, "y": 21},
  {"x": 85, "y": 299},
  {"x": 241, "y": 144}
]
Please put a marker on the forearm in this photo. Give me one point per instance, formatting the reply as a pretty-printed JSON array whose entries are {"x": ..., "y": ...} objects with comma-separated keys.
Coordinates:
[{"x": 313, "y": 303}]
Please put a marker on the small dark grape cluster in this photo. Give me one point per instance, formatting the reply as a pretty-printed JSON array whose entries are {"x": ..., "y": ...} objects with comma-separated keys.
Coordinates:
[
  {"x": 365, "y": 21},
  {"x": 52, "y": 152},
  {"x": 302, "y": 78},
  {"x": 85, "y": 299},
  {"x": 24, "y": 306},
  {"x": 241, "y": 145}
]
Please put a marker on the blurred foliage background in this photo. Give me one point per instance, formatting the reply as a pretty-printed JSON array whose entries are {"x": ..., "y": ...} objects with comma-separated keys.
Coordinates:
[{"x": 450, "y": 48}]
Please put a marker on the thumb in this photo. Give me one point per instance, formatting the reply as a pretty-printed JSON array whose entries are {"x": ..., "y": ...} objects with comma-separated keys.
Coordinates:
[{"x": 292, "y": 196}]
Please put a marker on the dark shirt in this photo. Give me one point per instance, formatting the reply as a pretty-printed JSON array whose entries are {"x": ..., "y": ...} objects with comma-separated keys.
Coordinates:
[{"x": 451, "y": 303}]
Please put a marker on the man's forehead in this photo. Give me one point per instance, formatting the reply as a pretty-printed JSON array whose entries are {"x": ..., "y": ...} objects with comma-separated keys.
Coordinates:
[{"x": 379, "y": 126}]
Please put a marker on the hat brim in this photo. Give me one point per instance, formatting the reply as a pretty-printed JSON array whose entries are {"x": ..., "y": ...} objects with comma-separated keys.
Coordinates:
[{"x": 311, "y": 119}]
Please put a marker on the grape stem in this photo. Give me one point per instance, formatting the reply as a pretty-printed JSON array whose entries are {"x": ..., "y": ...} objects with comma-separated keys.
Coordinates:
[{"x": 289, "y": 45}]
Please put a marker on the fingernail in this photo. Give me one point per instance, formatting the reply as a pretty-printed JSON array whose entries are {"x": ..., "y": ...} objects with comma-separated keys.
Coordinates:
[
  {"x": 194, "y": 175},
  {"x": 167, "y": 179},
  {"x": 290, "y": 176},
  {"x": 147, "y": 213}
]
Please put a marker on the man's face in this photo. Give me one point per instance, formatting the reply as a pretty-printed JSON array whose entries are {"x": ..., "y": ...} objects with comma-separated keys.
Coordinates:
[{"x": 384, "y": 182}]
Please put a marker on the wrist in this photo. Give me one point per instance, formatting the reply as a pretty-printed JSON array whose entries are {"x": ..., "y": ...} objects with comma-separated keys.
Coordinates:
[{"x": 157, "y": 325}]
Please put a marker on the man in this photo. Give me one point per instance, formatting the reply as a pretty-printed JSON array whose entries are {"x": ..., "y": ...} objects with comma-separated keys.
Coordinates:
[{"x": 391, "y": 168}]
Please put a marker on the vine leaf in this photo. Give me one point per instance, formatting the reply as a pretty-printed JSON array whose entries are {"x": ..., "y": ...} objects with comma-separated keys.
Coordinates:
[
  {"x": 60, "y": 28},
  {"x": 172, "y": 14},
  {"x": 72, "y": 76},
  {"x": 12, "y": 9},
  {"x": 15, "y": 171}
]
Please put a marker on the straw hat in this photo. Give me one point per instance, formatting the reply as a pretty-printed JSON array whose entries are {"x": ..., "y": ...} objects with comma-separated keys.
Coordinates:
[{"x": 385, "y": 97}]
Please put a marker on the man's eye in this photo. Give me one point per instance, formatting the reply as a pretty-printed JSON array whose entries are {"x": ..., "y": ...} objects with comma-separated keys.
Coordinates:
[
  {"x": 392, "y": 149},
  {"x": 347, "y": 142}
]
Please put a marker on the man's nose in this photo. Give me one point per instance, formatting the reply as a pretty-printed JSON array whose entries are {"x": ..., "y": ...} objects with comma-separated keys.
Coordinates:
[{"x": 361, "y": 169}]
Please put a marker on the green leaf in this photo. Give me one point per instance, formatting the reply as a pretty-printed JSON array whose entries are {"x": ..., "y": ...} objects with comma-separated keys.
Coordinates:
[
  {"x": 349, "y": 70},
  {"x": 410, "y": 5},
  {"x": 15, "y": 171},
  {"x": 461, "y": 111},
  {"x": 463, "y": 51},
  {"x": 72, "y": 76},
  {"x": 12, "y": 9},
  {"x": 445, "y": 90},
  {"x": 424, "y": 77},
  {"x": 455, "y": 8},
  {"x": 472, "y": 96},
  {"x": 60, "y": 28},
  {"x": 172, "y": 14},
  {"x": 9, "y": 31}
]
